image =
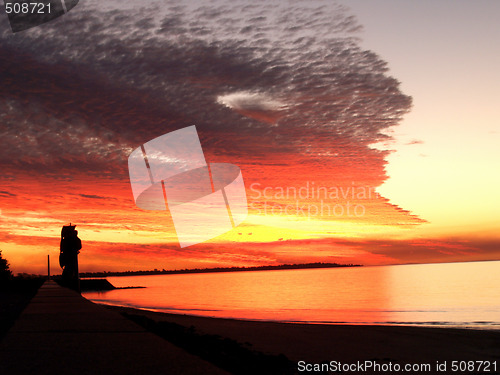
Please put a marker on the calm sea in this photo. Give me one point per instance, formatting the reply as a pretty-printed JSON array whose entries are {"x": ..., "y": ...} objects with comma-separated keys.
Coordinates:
[{"x": 453, "y": 294}]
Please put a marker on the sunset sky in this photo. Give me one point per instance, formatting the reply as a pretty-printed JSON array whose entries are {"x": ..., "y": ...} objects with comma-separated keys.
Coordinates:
[{"x": 366, "y": 132}]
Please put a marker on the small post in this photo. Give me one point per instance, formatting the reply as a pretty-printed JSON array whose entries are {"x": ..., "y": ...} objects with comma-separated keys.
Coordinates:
[
  {"x": 48, "y": 267},
  {"x": 78, "y": 288}
]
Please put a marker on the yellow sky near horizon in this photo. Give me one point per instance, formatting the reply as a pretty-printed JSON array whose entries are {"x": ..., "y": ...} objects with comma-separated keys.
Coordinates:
[{"x": 446, "y": 155}]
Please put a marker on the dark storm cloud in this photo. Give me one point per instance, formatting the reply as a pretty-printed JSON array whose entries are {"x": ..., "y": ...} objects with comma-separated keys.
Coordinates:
[
  {"x": 281, "y": 89},
  {"x": 83, "y": 91}
]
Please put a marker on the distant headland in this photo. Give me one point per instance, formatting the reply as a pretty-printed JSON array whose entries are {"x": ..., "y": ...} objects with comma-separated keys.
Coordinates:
[{"x": 219, "y": 269}]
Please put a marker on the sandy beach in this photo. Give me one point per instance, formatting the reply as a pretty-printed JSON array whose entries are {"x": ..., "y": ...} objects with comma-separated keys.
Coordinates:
[{"x": 318, "y": 343}]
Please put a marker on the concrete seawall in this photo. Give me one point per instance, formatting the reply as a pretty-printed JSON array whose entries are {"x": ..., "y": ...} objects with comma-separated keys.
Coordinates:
[{"x": 60, "y": 332}]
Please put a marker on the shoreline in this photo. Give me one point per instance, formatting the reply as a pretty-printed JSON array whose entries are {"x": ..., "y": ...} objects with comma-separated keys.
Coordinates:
[
  {"x": 439, "y": 325},
  {"x": 281, "y": 267},
  {"x": 320, "y": 343}
]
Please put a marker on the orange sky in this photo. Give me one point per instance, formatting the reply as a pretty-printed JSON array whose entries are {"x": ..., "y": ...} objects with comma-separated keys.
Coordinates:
[{"x": 314, "y": 123}]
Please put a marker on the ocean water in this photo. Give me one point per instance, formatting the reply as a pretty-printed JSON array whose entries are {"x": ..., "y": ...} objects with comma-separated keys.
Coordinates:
[{"x": 452, "y": 295}]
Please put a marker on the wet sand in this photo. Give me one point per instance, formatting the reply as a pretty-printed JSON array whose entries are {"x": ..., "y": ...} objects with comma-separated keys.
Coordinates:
[{"x": 316, "y": 343}]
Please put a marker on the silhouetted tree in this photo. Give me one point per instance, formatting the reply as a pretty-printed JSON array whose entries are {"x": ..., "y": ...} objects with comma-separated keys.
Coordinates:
[{"x": 5, "y": 273}]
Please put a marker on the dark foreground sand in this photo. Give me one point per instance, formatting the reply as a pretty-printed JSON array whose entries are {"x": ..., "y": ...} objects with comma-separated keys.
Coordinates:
[{"x": 349, "y": 343}]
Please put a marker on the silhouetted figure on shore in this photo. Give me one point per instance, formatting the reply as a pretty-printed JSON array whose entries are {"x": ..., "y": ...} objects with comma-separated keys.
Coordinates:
[{"x": 68, "y": 258}]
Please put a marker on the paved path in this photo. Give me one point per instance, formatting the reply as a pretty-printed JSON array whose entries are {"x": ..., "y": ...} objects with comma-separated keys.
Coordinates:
[{"x": 60, "y": 333}]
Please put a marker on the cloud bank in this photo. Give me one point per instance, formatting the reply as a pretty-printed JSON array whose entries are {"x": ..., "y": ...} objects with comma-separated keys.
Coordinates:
[{"x": 281, "y": 89}]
